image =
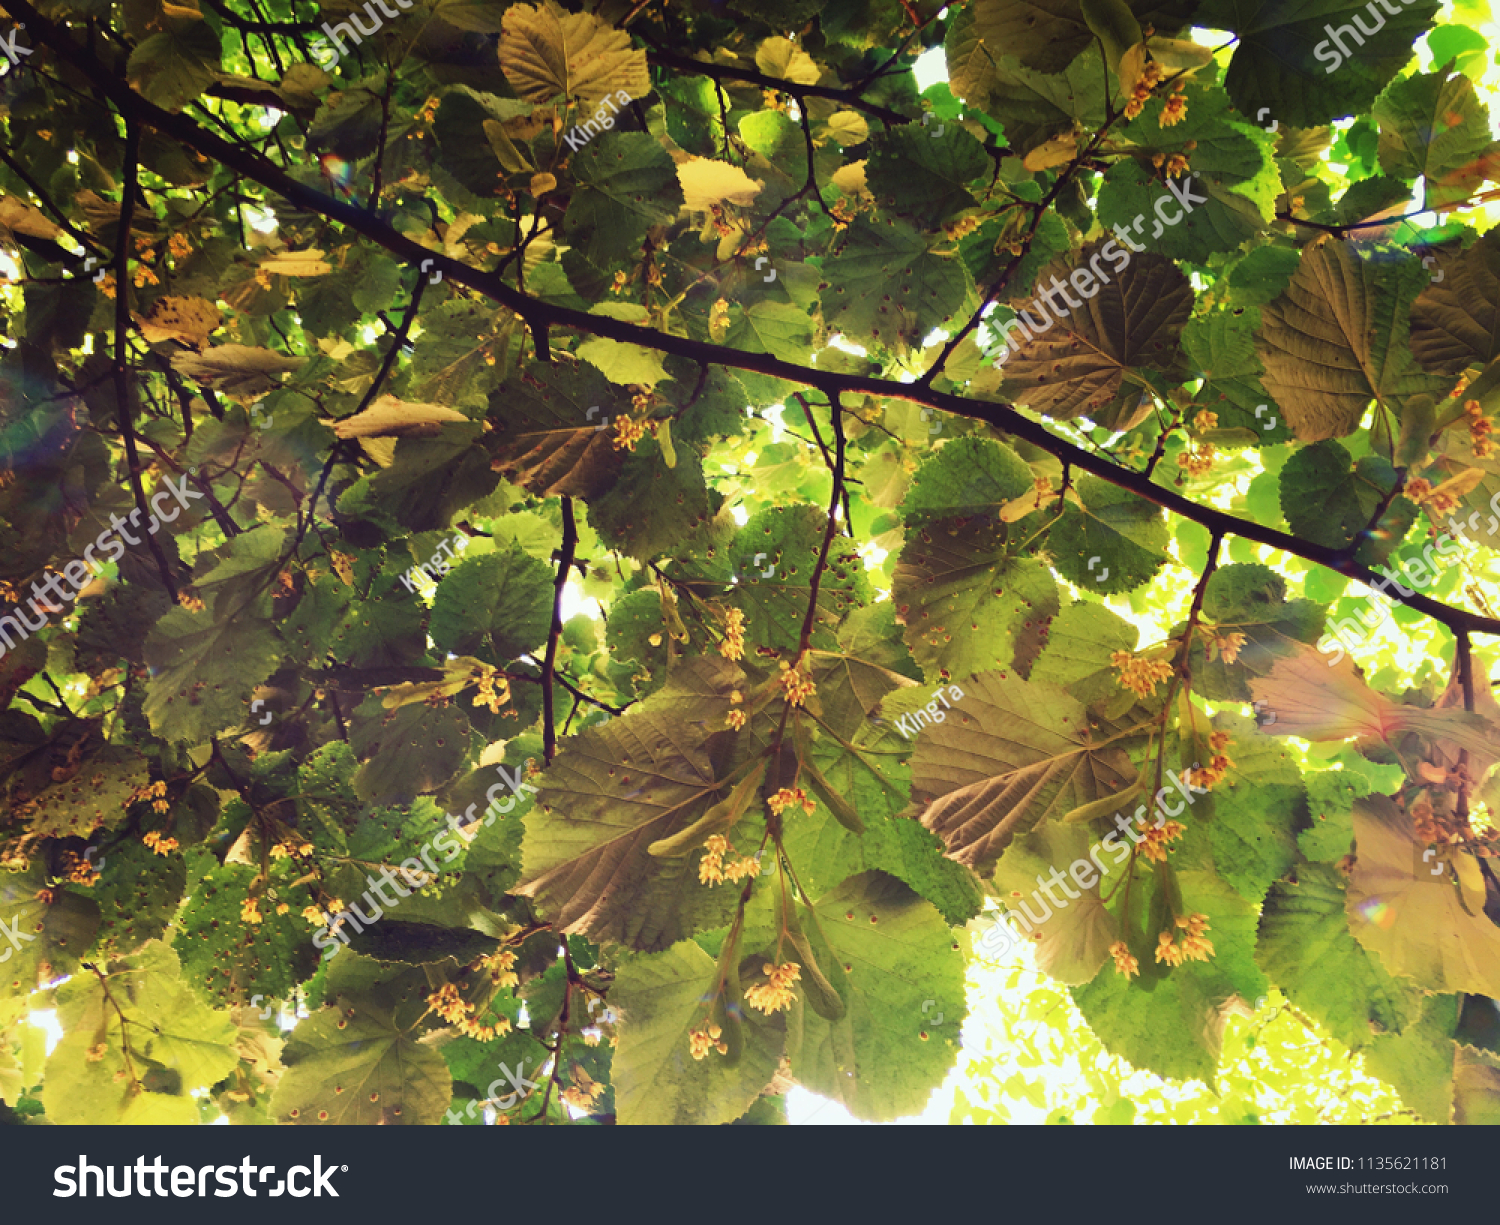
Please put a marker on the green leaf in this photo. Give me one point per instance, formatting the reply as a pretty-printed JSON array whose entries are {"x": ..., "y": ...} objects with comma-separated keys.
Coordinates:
[
  {"x": 773, "y": 557},
  {"x": 1176, "y": 1028},
  {"x": 1285, "y": 61},
  {"x": 777, "y": 328},
  {"x": 174, "y": 67},
  {"x": 626, "y": 185},
  {"x": 1255, "y": 810},
  {"x": 870, "y": 773},
  {"x": 607, "y": 797},
  {"x": 1337, "y": 338},
  {"x": 502, "y": 600},
  {"x": 229, "y": 960},
  {"x": 1250, "y": 599},
  {"x": 653, "y": 506},
  {"x": 1228, "y": 208},
  {"x": 97, "y": 795},
  {"x": 356, "y": 1065},
  {"x": 885, "y": 282},
  {"x": 1115, "y": 542},
  {"x": 888, "y": 954},
  {"x": 925, "y": 178},
  {"x": 1012, "y": 754},
  {"x": 134, "y": 1027},
  {"x": 49, "y": 938},
  {"x": 204, "y": 668},
  {"x": 1424, "y": 925},
  {"x": 968, "y": 476},
  {"x": 1329, "y": 501},
  {"x": 1080, "y": 641},
  {"x": 408, "y": 751},
  {"x": 1419, "y": 1063},
  {"x": 968, "y": 605},
  {"x": 1433, "y": 127},
  {"x": 660, "y": 998},
  {"x": 1306, "y": 948}
]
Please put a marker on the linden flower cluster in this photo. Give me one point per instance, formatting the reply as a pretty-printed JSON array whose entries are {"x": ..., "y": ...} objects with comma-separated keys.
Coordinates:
[
  {"x": 250, "y": 911},
  {"x": 775, "y": 994},
  {"x": 1142, "y": 92},
  {"x": 1175, "y": 110},
  {"x": 1436, "y": 502},
  {"x": 1174, "y": 167},
  {"x": 628, "y": 432},
  {"x": 162, "y": 846},
  {"x": 493, "y": 691},
  {"x": 733, "y": 646},
  {"x": 713, "y": 871},
  {"x": 1218, "y": 767},
  {"x": 1124, "y": 963},
  {"x": 1227, "y": 646},
  {"x": 449, "y": 1005},
  {"x": 1194, "y": 946},
  {"x": 500, "y": 967},
  {"x": 788, "y": 796},
  {"x": 1157, "y": 842},
  {"x": 1197, "y": 461},
  {"x": 797, "y": 687},
  {"x": 282, "y": 851},
  {"x": 314, "y": 916},
  {"x": 81, "y": 871},
  {"x": 155, "y": 792},
  {"x": 1139, "y": 675},
  {"x": 1480, "y": 428},
  {"x": 701, "y": 1041}
]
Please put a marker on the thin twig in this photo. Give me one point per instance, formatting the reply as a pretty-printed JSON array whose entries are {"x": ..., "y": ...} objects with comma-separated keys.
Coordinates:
[
  {"x": 554, "y": 636},
  {"x": 121, "y": 355}
]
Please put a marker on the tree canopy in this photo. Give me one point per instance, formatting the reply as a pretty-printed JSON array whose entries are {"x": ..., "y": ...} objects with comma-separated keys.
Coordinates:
[{"x": 592, "y": 565}]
